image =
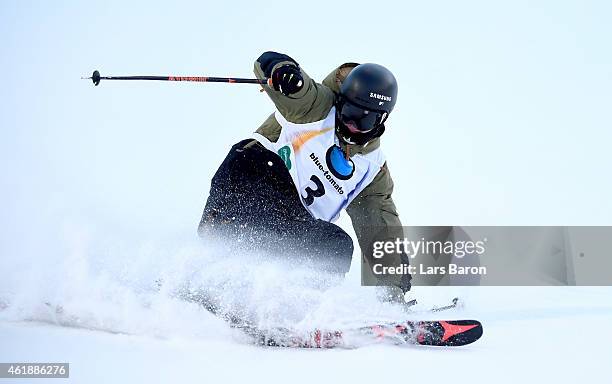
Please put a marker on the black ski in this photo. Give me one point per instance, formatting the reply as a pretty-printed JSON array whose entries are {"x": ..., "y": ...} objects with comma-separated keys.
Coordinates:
[{"x": 446, "y": 333}]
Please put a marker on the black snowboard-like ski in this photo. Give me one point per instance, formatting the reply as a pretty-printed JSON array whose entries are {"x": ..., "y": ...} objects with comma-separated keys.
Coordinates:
[
  {"x": 442, "y": 333},
  {"x": 445, "y": 333}
]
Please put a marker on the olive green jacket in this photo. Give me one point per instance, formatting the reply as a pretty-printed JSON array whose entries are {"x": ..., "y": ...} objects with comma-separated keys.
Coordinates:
[{"x": 373, "y": 207}]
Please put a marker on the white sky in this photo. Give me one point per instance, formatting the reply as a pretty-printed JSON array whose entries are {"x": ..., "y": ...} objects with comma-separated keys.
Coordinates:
[{"x": 503, "y": 115}]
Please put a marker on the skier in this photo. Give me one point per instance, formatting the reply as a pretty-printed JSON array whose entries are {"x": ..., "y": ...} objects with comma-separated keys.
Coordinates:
[{"x": 280, "y": 190}]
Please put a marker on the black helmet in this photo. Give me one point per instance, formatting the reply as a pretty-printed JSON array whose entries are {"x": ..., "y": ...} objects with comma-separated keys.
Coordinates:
[{"x": 366, "y": 98}]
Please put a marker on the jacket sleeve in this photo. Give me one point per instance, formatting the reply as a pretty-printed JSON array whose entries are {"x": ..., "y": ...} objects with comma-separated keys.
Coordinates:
[
  {"x": 373, "y": 210},
  {"x": 311, "y": 103}
]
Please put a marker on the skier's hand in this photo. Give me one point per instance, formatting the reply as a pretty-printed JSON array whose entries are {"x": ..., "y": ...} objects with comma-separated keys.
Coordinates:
[{"x": 287, "y": 79}]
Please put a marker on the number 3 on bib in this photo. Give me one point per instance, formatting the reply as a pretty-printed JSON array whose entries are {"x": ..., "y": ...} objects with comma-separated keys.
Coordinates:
[{"x": 311, "y": 194}]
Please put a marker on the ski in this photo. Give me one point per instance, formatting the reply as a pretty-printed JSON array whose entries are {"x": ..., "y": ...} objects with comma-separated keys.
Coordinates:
[
  {"x": 444, "y": 333},
  {"x": 455, "y": 303}
]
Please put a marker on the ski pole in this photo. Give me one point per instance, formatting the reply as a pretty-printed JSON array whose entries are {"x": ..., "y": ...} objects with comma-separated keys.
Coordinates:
[{"x": 96, "y": 77}]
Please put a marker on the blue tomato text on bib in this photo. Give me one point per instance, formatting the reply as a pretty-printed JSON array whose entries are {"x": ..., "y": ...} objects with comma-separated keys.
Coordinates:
[{"x": 325, "y": 179}]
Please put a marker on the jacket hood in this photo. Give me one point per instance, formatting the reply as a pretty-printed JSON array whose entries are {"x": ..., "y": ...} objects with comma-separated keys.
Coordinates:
[{"x": 334, "y": 80}]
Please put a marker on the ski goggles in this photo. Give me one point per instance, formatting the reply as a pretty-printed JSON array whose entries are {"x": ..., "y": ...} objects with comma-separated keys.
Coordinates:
[{"x": 363, "y": 119}]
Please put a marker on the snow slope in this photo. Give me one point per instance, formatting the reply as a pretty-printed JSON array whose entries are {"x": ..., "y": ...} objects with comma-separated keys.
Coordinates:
[
  {"x": 120, "y": 324},
  {"x": 531, "y": 335}
]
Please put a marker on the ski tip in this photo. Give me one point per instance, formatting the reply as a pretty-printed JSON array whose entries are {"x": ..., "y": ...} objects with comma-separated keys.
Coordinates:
[{"x": 450, "y": 333}]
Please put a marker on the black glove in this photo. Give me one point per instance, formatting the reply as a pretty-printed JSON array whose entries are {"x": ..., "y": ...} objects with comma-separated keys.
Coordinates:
[{"x": 287, "y": 79}]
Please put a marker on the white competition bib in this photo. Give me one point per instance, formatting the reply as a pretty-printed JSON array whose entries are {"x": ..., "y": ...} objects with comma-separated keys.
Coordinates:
[{"x": 325, "y": 180}]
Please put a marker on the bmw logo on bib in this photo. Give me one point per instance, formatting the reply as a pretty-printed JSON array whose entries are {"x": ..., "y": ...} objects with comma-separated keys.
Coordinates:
[{"x": 339, "y": 165}]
